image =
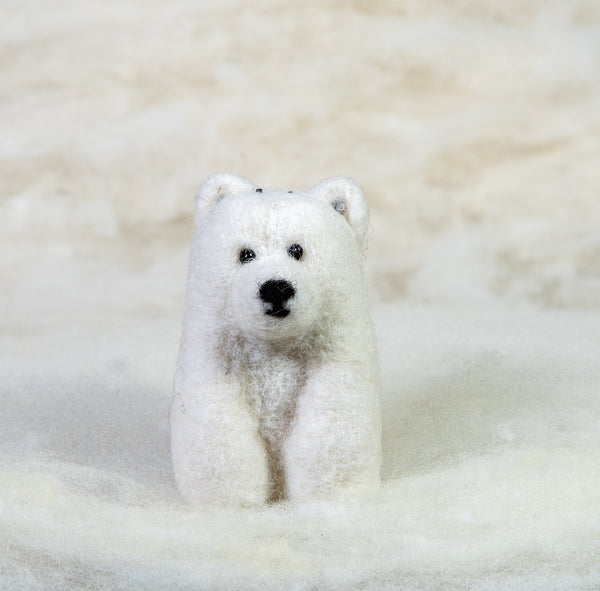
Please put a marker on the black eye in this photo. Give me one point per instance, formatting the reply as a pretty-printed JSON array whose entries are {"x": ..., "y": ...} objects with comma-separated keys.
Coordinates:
[
  {"x": 295, "y": 251},
  {"x": 247, "y": 255}
]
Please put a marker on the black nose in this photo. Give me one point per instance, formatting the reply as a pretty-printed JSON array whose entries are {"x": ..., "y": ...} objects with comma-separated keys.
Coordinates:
[{"x": 276, "y": 292}]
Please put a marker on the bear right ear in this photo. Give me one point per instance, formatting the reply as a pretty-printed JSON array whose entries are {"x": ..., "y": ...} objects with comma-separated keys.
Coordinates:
[{"x": 217, "y": 186}]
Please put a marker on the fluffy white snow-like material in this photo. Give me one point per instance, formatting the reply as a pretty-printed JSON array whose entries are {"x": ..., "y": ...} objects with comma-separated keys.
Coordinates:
[
  {"x": 473, "y": 127},
  {"x": 277, "y": 390}
]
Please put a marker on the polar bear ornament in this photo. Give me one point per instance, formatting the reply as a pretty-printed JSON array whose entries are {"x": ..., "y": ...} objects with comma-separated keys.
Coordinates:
[{"x": 277, "y": 384}]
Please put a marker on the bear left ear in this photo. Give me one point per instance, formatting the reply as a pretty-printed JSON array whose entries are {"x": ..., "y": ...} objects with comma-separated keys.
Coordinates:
[
  {"x": 217, "y": 186},
  {"x": 348, "y": 199}
]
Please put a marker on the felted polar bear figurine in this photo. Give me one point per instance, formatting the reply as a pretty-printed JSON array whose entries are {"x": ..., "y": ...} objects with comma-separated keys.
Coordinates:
[{"x": 277, "y": 382}]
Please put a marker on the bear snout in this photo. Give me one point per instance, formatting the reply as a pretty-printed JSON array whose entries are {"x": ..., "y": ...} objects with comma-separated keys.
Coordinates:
[{"x": 276, "y": 292}]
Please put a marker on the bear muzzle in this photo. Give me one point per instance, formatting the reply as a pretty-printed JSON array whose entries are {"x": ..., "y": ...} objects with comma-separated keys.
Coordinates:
[{"x": 276, "y": 293}]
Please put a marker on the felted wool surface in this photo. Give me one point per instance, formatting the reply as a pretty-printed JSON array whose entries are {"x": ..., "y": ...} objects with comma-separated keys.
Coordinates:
[
  {"x": 473, "y": 128},
  {"x": 277, "y": 385}
]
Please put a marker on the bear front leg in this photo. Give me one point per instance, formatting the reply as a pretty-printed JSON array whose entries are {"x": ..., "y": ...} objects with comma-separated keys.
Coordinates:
[
  {"x": 218, "y": 456},
  {"x": 334, "y": 445}
]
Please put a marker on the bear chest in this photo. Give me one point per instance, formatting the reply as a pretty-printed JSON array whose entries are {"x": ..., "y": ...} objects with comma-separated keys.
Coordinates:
[{"x": 272, "y": 388}]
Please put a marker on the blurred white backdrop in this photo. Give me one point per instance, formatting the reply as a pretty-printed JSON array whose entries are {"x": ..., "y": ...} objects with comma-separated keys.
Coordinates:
[{"x": 474, "y": 128}]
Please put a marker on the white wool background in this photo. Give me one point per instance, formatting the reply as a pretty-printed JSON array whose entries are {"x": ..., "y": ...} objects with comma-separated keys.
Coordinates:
[{"x": 474, "y": 128}]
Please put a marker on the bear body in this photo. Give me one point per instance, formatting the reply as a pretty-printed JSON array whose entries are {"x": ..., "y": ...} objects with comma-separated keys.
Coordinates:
[{"x": 277, "y": 383}]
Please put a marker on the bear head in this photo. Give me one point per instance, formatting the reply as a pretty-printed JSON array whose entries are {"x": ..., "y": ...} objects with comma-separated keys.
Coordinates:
[{"x": 278, "y": 266}]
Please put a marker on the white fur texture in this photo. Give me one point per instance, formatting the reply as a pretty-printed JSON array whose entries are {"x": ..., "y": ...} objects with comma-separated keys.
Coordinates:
[{"x": 267, "y": 407}]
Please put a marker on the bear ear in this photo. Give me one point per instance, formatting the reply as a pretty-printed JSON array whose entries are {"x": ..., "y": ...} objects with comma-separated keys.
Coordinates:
[
  {"x": 348, "y": 199},
  {"x": 217, "y": 186}
]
